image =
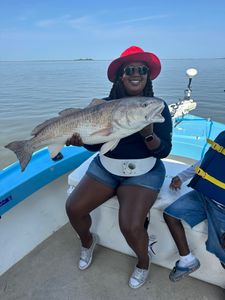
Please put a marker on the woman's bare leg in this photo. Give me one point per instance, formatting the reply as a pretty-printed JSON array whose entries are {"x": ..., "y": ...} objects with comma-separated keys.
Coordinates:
[
  {"x": 87, "y": 195},
  {"x": 135, "y": 203}
]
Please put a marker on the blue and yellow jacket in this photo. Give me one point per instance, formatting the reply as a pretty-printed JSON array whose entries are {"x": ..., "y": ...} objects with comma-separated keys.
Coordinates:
[{"x": 210, "y": 176}]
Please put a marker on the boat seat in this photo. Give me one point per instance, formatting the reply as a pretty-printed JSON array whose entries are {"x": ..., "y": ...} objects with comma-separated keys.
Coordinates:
[
  {"x": 105, "y": 224},
  {"x": 165, "y": 197}
]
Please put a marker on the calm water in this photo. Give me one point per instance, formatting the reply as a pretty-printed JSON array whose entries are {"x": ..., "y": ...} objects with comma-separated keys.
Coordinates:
[{"x": 31, "y": 92}]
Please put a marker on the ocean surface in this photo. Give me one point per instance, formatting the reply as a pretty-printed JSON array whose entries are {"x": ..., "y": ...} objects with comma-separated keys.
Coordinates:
[{"x": 34, "y": 91}]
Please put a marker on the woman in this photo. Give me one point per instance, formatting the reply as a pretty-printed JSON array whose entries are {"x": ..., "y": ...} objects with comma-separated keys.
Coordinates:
[{"x": 132, "y": 74}]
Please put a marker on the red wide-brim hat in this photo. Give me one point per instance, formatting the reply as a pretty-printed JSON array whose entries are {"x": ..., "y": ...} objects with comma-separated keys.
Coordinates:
[{"x": 132, "y": 54}]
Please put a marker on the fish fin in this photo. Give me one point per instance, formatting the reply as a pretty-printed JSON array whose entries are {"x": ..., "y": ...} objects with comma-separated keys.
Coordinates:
[
  {"x": 68, "y": 111},
  {"x": 54, "y": 149},
  {"x": 41, "y": 126},
  {"x": 63, "y": 113},
  {"x": 104, "y": 132},
  {"x": 109, "y": 146},
  {"x": 22, "y": 152},
  {"x": 96, "y": 101}
]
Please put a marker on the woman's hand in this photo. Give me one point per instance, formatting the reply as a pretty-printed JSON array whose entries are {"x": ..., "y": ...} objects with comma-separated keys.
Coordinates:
[
  {"x": 176, "y": 183},
  {"x": 147, "y": 130},
  {"x": 75, "y": 140}
]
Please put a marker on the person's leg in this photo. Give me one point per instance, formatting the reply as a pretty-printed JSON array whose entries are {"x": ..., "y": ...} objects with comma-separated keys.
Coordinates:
[
  {"x": 136, "y": 196},
  {"x": 177, "y": 231},
  {"x": 87, "y": 195},
  {"x": 190, "y": 208},
  {"x": 135, "y": 203}
]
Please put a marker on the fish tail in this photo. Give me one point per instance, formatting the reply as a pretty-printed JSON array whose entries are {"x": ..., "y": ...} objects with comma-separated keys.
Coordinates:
[{"x": 22, "y": 151}]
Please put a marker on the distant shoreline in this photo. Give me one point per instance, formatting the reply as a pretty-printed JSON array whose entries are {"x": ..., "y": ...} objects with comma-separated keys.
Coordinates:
[
  {"x": 83, "y": 59},
  {"x": 53, "y": 60},
  {"x": 92, "y": 59}
]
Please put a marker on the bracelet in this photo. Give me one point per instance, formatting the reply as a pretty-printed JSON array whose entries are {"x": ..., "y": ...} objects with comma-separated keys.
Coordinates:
[{"x": 149, "y": 138}]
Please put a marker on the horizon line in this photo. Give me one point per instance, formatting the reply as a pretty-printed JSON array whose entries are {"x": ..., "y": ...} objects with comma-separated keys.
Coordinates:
[{"x": 92, "y": 59}]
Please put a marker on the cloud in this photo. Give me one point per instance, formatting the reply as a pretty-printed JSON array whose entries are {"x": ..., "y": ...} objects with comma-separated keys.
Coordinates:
[
  {"x": 46, "y": 23},
  {"x": 142, "y": 19},
  {"x": 80, "y": 22},
  {"x": 53, "y": 21},
  {"x": 89, "y": 22}
]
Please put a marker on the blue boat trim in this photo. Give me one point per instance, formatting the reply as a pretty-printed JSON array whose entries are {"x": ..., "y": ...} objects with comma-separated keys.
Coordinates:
[
  {"x": 6, "y": 200},
  {"x": 190, "y": 134},
  {"x": 17, "y": 186}
]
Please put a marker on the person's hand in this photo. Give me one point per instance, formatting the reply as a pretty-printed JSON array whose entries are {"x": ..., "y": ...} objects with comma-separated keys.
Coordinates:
[
  {"x": 223, "y": 240},
  {"x": 75, "y": 140},
  {"x": 175, "y": 183},
  {"x": 147, "y": 130}
]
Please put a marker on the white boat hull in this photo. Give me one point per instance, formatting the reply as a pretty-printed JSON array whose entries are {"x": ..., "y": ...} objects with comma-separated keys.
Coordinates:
[{"x": 32, "y": 221}]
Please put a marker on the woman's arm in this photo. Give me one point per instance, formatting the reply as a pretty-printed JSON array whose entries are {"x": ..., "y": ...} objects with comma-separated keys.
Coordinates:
[
  {"x": 183, "y": 176},
  {"x": 158, "y": 136}
]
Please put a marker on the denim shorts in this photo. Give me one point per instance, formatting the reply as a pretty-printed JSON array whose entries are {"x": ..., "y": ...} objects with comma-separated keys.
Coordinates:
[
  {"x": 152, "y": 180},
  {"x": 193, "y": 208}
]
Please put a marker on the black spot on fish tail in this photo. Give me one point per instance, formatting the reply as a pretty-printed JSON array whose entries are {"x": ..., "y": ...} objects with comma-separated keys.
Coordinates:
[{"x": 22, "y": 152}]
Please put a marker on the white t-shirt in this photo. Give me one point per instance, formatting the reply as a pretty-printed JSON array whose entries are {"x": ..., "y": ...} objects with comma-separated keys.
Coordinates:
[{"x": 189, "y": 172}]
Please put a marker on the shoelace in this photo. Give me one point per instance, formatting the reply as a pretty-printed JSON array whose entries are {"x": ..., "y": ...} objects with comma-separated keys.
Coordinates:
[
  {"x": 139, "y": 274},
  {"x": 85, "y": 254}
]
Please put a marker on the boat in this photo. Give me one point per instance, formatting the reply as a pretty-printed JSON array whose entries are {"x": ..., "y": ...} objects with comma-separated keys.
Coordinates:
[{"x": 32, "y": 203}]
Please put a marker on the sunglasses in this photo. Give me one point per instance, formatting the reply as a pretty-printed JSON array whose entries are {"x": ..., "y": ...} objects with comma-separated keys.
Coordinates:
[{"x": 130, "y": 70}]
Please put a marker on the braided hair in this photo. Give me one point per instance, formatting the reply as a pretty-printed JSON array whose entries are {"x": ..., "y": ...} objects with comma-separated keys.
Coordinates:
[{"x": 118, "y": 91}]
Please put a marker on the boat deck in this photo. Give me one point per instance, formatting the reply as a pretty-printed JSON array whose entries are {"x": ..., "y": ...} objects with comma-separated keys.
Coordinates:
[{"x": 50, "y": 272}]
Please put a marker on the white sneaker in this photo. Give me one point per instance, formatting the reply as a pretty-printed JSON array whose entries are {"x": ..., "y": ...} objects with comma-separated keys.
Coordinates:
[
  {"x": 139, "y": 276},
  {"x": 86, "y": 253}
]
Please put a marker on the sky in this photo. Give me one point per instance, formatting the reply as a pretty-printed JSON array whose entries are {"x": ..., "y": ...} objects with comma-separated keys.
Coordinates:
[{"x": 66, "y": 29}]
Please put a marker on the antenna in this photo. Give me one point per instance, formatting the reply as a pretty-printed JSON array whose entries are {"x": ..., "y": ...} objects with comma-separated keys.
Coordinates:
[{"x": 190, "y": 73}]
